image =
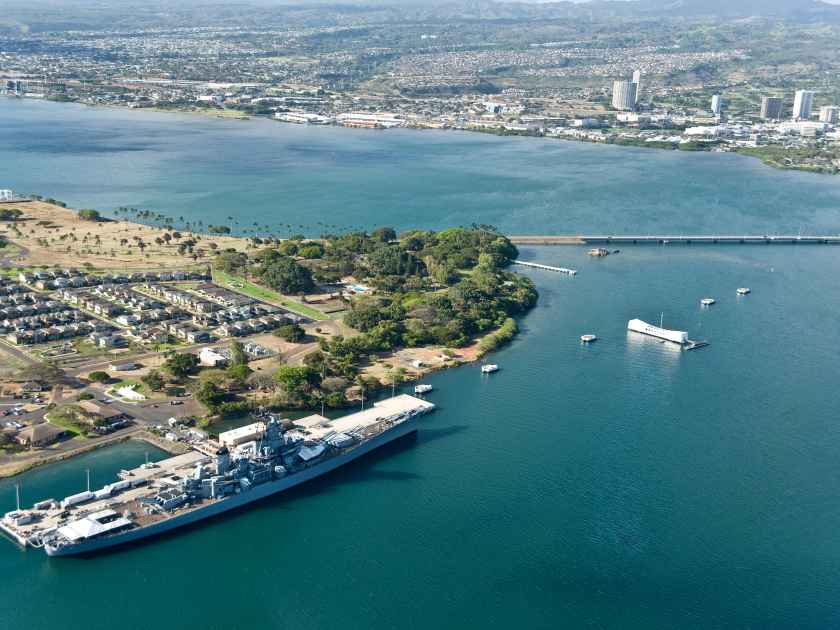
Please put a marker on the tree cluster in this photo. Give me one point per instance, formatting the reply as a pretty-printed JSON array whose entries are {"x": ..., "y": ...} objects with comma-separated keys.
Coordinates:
[
  {"x": 87, "y": 214},
  {"x": 282, "y": 273},
  {"x": 475, "y": 305}
]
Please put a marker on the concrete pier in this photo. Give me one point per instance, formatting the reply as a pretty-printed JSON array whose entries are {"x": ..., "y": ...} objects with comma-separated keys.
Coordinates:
[{"x": 568, "y": 272}]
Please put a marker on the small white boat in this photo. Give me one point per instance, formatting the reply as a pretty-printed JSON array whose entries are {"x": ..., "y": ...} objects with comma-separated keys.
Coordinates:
[
  {"x": 588, "y": 338},
  {"x": 707, "y": 301},
  {"x": 489, "y": 368},
  {"x": 742, "y": 291},
  {"x": 423, "y": 388}
]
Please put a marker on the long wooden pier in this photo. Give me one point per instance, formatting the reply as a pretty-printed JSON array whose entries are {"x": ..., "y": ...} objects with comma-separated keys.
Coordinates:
[{"x": 666, "y": 239}]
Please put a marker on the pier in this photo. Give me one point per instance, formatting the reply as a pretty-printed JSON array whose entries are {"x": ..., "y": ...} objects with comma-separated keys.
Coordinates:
[
  {"x": 665, "y": 239},
  {"x": 568, "y": 272}
]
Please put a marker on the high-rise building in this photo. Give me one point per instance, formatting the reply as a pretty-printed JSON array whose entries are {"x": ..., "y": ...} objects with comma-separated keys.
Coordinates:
[
  {"x": 802, "y": 104},
  {"x": 624, "y": 96},
  {"x": 637, "y": 81},
  {"x": 829, "y": 114},
  {"x": 717, "y": 104},
  {"x": 771, "y": 107}
]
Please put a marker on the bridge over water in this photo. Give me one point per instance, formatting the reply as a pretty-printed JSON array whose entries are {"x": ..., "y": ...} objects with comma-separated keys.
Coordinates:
[{"x": 663, "y": 239}]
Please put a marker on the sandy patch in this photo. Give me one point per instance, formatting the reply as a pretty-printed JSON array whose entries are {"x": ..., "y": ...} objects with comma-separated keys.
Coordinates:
[{"x": 55, "y": 236}]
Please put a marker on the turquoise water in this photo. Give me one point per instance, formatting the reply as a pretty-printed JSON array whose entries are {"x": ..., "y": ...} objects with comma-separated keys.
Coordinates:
[
  {"x": 315, "y": 177},
  {"x": 69, "y": 477},
  {"x": 620, "y": 485}
]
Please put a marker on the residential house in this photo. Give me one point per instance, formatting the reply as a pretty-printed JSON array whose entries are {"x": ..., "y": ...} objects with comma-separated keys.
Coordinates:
[{"x": 40, "y": 434}]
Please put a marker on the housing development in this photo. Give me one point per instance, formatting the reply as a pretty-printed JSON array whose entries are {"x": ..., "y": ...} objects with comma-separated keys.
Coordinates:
[
  {"x": 552, "y": 70},
  {"x": 165, "y": 334}
]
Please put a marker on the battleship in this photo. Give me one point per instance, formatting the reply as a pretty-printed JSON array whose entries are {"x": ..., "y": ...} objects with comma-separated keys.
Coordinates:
[{"x": 246, "y": 465}]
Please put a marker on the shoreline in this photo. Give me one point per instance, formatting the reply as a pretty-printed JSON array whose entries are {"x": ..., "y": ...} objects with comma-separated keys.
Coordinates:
[
  {"x": 414, "y": 362},
  {"x": 140, "y": 434},
  {"x": 746, "y": 152}
]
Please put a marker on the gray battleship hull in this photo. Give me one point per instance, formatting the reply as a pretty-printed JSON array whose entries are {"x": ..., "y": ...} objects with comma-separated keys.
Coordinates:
[{"x": 238, "y": 500}]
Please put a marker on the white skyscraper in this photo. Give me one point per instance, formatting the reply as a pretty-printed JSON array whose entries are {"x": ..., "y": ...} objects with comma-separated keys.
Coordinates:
[
  {"x": 637, "y": 81},
  {"x": 829, "y": 114},
  {"x": 802, "y": 104},
  {"x": 717, "y": 104},
  {"x": 624, "y": 96}
]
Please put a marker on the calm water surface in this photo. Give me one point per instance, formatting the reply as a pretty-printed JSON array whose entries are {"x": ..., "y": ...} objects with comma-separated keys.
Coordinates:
[
  {"x": 314, "y": 177},
  {"x": 621, "y": 485}
]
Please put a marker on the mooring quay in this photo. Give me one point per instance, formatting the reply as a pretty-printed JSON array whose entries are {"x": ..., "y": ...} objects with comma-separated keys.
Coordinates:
[{"x": 684, "y": 239}]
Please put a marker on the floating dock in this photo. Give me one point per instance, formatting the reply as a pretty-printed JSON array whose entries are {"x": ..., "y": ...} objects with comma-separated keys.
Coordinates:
[{"x": 568, "y": 272}]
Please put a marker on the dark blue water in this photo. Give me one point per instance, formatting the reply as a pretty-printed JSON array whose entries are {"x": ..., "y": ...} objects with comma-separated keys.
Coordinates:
[
  {"x": 296, "y": 178},
  {"x": 622, "y": 485}
]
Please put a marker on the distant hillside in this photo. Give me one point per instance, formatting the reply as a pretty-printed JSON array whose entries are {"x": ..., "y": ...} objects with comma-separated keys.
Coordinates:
[{"x": 806, "y": 9}]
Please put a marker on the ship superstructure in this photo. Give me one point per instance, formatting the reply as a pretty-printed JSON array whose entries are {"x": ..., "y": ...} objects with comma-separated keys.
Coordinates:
[{"x": 158, "y": 497}]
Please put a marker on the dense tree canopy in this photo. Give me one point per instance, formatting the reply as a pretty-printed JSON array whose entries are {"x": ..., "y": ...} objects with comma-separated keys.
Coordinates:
[
  {"x": 181, "y": 364},
  {"x": 468, "y": 264},
  {"x": 99, "y": 376},
  {"x": 232, "y": 261},
  {"x": 414, "y": 260},
  {"x": 283, "y": 274},
  {"x": 293, "y": 333}
]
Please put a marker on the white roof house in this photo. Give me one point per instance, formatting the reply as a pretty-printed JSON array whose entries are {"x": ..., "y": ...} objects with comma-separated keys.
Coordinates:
[{"x": 210, "y": 357}]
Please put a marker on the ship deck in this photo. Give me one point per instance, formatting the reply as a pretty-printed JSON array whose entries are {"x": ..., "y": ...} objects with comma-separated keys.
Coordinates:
[
  {"x": 316, "y": 427},
  {"x": 170, "y": 471},
  {"x": 56, "y": 517}
]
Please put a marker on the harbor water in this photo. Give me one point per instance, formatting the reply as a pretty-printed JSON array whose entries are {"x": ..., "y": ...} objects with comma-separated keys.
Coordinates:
[
  {"x": 294, "y": 178},
  {"x": 619, "y": 484}
]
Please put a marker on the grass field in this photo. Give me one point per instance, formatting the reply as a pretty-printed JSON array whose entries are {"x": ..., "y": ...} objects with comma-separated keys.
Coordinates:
[
  {"x": 261, "y": 293},
  {"x": 67, "y": 418}
]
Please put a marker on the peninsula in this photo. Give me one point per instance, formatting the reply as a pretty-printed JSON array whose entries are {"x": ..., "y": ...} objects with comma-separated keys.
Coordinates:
[{"x": 111, "y": 329}]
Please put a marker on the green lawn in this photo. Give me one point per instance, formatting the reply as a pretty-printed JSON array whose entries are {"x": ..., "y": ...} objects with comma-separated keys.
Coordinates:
[
  {"x": 261, "y": 293},
  {"x": 67, "y": 418}
]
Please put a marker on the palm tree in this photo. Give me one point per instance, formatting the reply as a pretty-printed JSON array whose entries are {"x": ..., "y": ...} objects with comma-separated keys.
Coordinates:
[{"x": 395, "y": 376}]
